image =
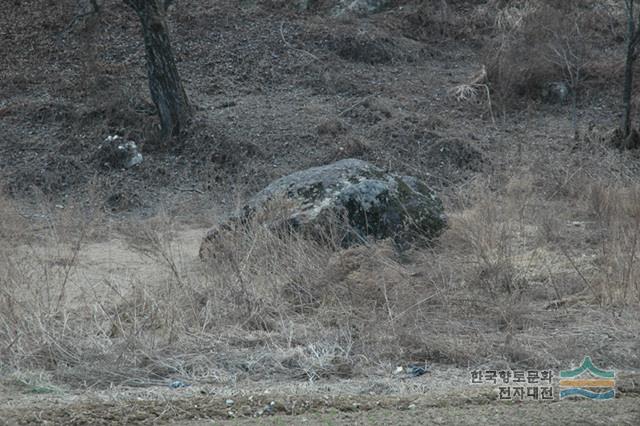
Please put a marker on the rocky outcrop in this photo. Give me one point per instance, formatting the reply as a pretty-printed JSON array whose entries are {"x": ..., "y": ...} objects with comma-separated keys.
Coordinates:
[{"x": 352, "y": 199}]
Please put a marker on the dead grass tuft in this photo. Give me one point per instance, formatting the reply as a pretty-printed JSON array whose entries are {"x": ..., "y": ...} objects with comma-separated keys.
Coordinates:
[
  {"x": 272, "y": 303},
  {"x": 615, "y": 210},
  {"x": 539, "y": 44}
]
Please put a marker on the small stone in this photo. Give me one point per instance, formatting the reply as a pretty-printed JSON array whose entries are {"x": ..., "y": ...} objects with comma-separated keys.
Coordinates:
[
  {"x": 555, "y": 92},
  {"x": 115, "y": 152},
  {"x": 416, "y": 370},
  {"x": 178, "y": 384}
]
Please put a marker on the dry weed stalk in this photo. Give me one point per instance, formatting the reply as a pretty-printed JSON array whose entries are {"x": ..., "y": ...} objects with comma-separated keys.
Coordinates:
[
  {"x": 617, "y": 213},
  {"x": 273, "y": 303},
  {"x": 559, "y": 32},
  {"x": 512, "y": 17},
  {"x": 468, "y": 92},
  {"x": 295, "y": 49},
  {"x": 568, "y": 52}
]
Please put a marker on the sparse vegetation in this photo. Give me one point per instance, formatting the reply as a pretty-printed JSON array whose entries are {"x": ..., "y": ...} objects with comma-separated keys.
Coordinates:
[{"x": 101, "y": 286}]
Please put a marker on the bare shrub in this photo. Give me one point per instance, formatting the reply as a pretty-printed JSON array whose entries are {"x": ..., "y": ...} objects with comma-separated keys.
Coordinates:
[
  {"x": 538, "y": 44},
  {"x": 514, "y": 70},
  {"x": 617, "y": 215},
  {"x": 272, "y": 303},
  {"x": 493, "y": 244},
  {"x": 473, "y": 91},
  {"x": 445, "y": 19},
  {"x": 36, "y": 288},
  {"x": 491, "y": 233},
  {"x": 433, "y": 18},
  {"x": 12, "y": 220}
]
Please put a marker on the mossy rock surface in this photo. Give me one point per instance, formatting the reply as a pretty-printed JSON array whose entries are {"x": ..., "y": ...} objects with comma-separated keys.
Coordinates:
[{"x": 352, "y": 199}]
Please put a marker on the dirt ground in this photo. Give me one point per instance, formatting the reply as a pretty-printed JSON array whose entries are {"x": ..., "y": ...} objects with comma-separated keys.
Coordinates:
[
  {"x": 440, "y": 398},
  {"x": 400, "y": 411},
  {"x": 99, "y": 267}
]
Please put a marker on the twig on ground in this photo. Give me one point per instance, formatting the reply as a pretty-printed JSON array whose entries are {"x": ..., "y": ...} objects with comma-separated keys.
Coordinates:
[
  {"x": 575, "y": 267},
  {"x": 290, "y": 46},
  {"x": 360, "y": 102},
  {"x": 189, "y": 190}
]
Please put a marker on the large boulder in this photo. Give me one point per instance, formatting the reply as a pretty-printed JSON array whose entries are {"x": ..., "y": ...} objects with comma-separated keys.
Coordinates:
[{"x": 365, "y": 198}]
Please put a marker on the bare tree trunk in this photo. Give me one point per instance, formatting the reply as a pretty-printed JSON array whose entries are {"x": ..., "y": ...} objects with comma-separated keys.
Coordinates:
[
  {"x": 632, "y": 40},
  {"x": 166, "y": 88}
]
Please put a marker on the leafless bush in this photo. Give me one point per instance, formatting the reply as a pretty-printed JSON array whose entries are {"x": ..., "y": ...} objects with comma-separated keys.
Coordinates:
[
  {"x": 538, "y": 44},
  {"x": 445, "y": 19},
  {"x": 617, "y": 215},
  {"x": 273, "y": 303},
  {"x": 475, "y": 89},
  {"x": 35, "y": 290},
  {"x": 492, "y": 234},
  {"x": 433, "y": 19}
]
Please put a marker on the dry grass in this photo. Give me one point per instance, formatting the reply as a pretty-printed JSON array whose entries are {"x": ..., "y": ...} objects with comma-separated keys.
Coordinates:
[
  {"x": 538, "y": 43},
  {"x": 617, "y": 219},
  {"x": 273, "y": 304},
  {"x": 547, "y": 247}
]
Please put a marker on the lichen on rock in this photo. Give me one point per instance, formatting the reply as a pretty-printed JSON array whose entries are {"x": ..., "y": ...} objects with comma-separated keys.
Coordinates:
[{"x": 353, "y": 197}]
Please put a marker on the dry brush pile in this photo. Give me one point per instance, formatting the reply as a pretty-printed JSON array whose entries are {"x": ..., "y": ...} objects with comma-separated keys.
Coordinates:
[{"x": 282, "y": 307}]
